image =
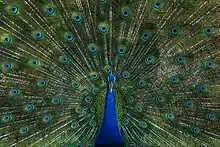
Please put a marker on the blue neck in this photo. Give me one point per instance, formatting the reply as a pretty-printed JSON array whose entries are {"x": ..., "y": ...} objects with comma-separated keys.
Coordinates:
[{"x": 109, "y": 133}]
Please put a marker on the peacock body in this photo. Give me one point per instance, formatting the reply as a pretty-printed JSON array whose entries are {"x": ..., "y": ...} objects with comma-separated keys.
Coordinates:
[{"x": 56, "y": 56}]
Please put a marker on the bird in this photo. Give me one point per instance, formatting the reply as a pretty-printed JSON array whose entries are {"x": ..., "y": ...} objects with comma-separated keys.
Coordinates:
[{"x": 56, "y": 57}]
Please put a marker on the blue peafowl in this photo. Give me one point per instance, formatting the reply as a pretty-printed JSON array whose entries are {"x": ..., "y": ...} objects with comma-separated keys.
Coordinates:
[{"x": 134, "y": 73}]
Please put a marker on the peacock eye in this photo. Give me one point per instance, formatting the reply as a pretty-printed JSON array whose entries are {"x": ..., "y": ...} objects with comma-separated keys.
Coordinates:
[
  {"x": 169, "y": 116},
  {"x": 211, "y": 116},
  {"x": 174, "y": 80},
  {"x": 179, "y": 59},
  {"x": 74, "y": 125},
  {"x": 145, "y": 36},
  {"x": 93, "y": 49},
  {"x": 15, "y": 91},
  {"x": 7, "y": 39},
  {"x": 42, "y": 83},
  {"x": 141, "y": 83},
  {"x": 24, "y": 130},
  {"x": 6, "y": 118},
  {"x": 138, "y": 108},
  {"x": 195, "y": 130},
  {"x": 143, "y": 124},
  {"x": 209, "y": 64},
  {"x": 70, "y": 37},
  {"x": 201, "y": 88},
  {"x": 76, "y": 84},
  {"x": 207, "y": 31},
  {"x": 148, "y": 60},
  {"x": 56, "y": 100},
  {"x": 173, "y": 31},
  {"x": 125, "y": 13},
  {"x": 156, "y": 5},
  {"x": 47, "y": 118},
  {"x": 78, "y": 18},
  {"x": 8, "y": 65},
  {"x": 51, "y": 10},
  {"x": 88, "y": 99},
  {"x": 188, "y": 104},
  {"x": 34, "y": 62},
  {"x": 121, "y": 51},
  {"x": 65, "y": 59},
  {"x": 104, "y": 29},
  {"x": 14, "y": 9},
  {"x": 160, "y": 99},
  {"x": 29, "y": 107},
  {"x": 38, "y": 35},
  {"x": 124, "y": 76}
]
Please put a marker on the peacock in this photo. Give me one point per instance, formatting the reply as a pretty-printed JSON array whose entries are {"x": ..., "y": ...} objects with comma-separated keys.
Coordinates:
[{"x": 132, "y": 73}]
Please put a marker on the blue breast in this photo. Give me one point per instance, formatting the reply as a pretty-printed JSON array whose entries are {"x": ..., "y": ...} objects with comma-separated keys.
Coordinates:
[{"x": 109, "y": 133}]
